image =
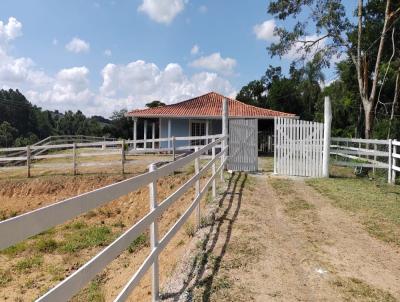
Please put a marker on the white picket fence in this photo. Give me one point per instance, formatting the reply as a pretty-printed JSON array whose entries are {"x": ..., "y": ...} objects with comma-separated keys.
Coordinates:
[
  {"x": 298, "y": 147},
  {"x": 21, "y": 227},
  {"x": 367, "y": 153}
]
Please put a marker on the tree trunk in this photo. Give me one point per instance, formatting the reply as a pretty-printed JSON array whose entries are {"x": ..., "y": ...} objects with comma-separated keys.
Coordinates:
[{"x": 369, "y": 118}]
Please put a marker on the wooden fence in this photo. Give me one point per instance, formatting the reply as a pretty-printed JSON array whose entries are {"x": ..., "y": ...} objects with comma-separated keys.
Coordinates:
[
  {"x": 21, "y": 227},
  {"x": 298, "y": 147},
  {"x": 367, "y": 153},
  {"x": 32, "y": 156}
]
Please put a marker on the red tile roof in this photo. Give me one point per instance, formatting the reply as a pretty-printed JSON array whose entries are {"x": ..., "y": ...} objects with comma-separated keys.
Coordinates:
[{"x": 208, "y": 105}]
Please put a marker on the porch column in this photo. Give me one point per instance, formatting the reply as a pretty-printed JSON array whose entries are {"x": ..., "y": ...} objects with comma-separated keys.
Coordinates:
[
  {"x": 153, "y": 135},
  {"x": 145, "y": 134},
  {"x": 134, "y": 132},
  {"x": 169, "y": 133},
  {"x": 207, "y": 129}
]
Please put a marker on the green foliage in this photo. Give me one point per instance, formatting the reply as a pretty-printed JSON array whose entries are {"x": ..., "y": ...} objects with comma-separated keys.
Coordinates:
[
  {"x": 14, "y": 249},
  {"x": 138, "y": 243},
  {"x": 46, "y": 245},
  {"x": 22, "y": 123},
  {"x": 29, "y": 263},
  {"x": 155, "y": 104},
  {"x": 86, "y": 237}
]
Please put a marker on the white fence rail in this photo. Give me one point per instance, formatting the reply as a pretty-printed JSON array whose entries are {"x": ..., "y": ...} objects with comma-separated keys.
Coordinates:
[
  {"x": 18, "y": 228},
  {"x": 367, "y": 153},
  {"x": 298, "y": 147},
  {"x": 32, "y": 156}
]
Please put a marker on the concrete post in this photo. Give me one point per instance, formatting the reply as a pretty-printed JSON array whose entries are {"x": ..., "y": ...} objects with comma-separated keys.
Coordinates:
[
  {"x": 224, "y": 133},
  {"x": 327, "y": 136},
  {"x": 135, "y": 132}
]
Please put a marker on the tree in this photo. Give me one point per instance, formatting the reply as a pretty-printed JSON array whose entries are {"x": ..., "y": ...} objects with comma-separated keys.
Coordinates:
[
  {"x": 7, "y": 134},
  {"x": 155, "y": 104},
  {"x": 363, "y": 41},
  {"x": 254, "y": 93}
]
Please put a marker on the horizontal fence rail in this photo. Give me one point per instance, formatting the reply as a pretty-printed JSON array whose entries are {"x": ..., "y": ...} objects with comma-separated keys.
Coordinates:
[
  {"x": 367, "y": 153},
  {"x": 21, "y": 227},
  {"x": 33, "y": 156}
]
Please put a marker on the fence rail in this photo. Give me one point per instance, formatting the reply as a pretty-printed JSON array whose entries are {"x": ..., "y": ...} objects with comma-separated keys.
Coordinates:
[
  {"x": 31, "y": 156},
  {"x": 37, "y": 221},
  {"x": 367, "y": 153}
]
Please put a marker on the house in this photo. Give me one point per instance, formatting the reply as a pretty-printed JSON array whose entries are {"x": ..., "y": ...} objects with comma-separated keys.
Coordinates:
[{"x": 198, "y": 116}]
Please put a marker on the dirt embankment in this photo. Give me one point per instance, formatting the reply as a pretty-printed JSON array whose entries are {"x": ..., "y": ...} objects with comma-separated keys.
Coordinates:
[{"x": 30, "y": 268}]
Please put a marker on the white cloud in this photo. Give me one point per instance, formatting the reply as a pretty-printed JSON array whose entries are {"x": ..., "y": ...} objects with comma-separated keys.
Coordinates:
[
  {"x": 216, "y": 63},
  {"x": 162, "y": 11},
  {"x": 195, "y": 50},
  {"x": 203, "y": 9},
  {"x": 265, "y": 30},
  {"x": 140, "y": 82},
  {"x": 108, "y": 53},
  {"x": 77, "y": 45},
  {"x": 11, "y": 30}
]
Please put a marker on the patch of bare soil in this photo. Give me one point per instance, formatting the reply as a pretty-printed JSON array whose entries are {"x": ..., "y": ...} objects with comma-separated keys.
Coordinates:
[
  {"x": 279, "y": 240},
  {"x": 29, "y": 269}
]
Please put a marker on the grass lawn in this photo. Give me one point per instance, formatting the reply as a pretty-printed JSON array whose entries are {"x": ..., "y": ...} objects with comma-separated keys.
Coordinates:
[{"x": 376, "y": 203}]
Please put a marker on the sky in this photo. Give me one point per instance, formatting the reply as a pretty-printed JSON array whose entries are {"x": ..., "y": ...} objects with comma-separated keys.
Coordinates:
[{"x": 99, "y": 56}]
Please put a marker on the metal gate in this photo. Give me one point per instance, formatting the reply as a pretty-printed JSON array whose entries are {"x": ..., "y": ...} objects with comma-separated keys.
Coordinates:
[
  {"x": 243, "y": 145},
  {"x": 298, "y": 147}
]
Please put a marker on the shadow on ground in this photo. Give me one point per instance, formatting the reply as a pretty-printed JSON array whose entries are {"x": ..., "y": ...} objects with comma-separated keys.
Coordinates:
[{"x": 229, "y": 205}]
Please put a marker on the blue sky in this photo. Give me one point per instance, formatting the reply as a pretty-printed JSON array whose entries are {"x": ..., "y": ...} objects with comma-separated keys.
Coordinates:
[{"x": 100, "y": 56}]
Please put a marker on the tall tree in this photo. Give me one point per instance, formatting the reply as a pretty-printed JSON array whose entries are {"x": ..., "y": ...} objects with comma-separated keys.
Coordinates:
[{"x": 363, "y": 41}]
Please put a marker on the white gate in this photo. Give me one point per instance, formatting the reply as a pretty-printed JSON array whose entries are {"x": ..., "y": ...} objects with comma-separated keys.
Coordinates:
[
  {"x": 243, "y": 145},
  {"x": 298, "y": 147}
]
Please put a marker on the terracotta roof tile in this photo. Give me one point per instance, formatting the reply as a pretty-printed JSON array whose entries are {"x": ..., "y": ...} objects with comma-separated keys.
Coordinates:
[{"x": 207, "y": 105}]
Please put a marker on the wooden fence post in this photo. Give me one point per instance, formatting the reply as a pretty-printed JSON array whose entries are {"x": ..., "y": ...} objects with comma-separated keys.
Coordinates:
[
  {"x": 74, "y": 160},
  {"x": 214, "y": 187},
  {"x": 327, "y": 136},
  {"x": 390, "y": 161},
  {"x": 123, "y": 156},
  {"x": 155, "y": 281},
  {"x": 28, "y": 160},
  {"x": 197, "y": 187},
  {"x": 174, "y": 148}
]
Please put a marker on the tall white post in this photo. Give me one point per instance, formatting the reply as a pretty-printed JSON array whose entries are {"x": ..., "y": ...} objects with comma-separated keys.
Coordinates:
[
  {"x": 197, "y": 186},
  {"x": 224, "y": 133},
  {"x": 214, "y": 186},
  {"x": 135, "y": 132},
  {"x": 390, "y": 160},
  {"x": 169, "y": 133},
  {"x": 153, "y": 135},
  {"x": 155, "y": 281},
  {"x": 394, "y": 163},
  {"x": 327, "y": 136},
  {"x": 145, "y": 134}
]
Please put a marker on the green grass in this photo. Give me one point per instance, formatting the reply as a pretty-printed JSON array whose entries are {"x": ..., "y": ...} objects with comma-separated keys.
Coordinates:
[
  {"x": 357, "y": 290},
  {"x": 5, "y": 277},
  {"x": 14, "y": 249},
  {"x": 138, "y": 243},
  {"x": 297, "y": 206},
  {"x": 377, "y": 204},
  {"x": 86, "y": 237},
  {"x": 46, "y": 245},
  {"x": 29, "y": 263},
  {"x": 282, "y": 186}
]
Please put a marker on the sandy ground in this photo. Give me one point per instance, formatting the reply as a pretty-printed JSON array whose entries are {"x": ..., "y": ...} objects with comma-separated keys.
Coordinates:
[
  {"x": 21, "y": 195},
  {"x": 273, "y": 243}
]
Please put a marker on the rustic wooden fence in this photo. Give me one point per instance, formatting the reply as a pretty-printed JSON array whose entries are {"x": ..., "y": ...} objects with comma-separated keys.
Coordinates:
[
  {"x": 21, "y": 227},
  {"x": 367, "y": 153}
]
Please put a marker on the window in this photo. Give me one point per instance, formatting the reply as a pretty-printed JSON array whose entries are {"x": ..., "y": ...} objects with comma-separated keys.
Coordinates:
[{"x": 198, "y": 128}]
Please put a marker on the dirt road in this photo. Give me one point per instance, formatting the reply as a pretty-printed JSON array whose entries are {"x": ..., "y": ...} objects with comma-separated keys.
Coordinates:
[{"x": 280, "y": 240}]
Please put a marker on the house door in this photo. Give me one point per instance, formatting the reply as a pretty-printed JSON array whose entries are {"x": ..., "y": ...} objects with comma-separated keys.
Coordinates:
[{"x": 198, "y": 128}]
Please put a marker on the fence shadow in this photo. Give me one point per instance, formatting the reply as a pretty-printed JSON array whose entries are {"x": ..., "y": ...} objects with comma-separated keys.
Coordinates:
[{"x": 219, "y": 219}]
